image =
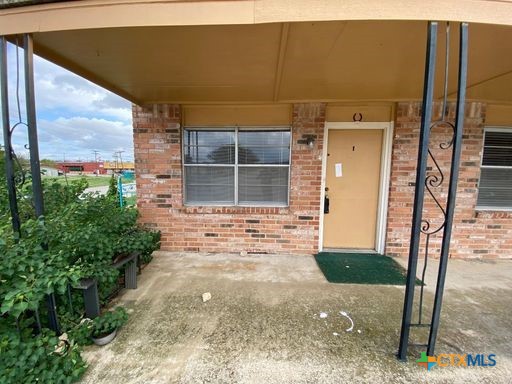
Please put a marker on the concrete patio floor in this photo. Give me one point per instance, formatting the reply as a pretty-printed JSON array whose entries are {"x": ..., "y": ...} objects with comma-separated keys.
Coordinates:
[{"x": 262, "y": 325}]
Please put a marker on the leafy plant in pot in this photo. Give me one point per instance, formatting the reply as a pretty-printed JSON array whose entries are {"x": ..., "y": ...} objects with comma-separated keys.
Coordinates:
[{"x": 104, "y": 327}]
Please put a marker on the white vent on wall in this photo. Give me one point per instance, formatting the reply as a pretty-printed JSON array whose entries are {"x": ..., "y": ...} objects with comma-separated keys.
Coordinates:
[{"x": 495, "y": 188}]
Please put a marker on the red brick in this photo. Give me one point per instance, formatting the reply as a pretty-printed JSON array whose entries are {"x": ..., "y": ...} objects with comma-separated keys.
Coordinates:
[{"x": 155, "y": 156}]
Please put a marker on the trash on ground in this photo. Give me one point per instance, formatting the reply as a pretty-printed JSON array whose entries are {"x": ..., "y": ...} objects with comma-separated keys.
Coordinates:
[
  {"x": 207, "y": 296},
  {"x": 323, "y": 315},
  {"x": 343, "y": 313},
  {"x": 63, "y": 344}
]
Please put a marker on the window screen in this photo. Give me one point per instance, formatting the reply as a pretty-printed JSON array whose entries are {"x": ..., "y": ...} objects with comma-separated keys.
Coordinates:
[
  {"x": 237, "y": 166},
  {"x": 495, "y": 189}
]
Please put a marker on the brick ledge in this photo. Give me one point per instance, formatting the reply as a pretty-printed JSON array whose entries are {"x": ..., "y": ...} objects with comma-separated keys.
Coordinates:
[
  {"x": 236, "y": 210},
  {"x": 493, "y": 214}
]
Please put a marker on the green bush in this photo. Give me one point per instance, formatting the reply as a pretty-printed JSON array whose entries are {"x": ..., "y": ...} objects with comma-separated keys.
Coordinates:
[
  {"x": 108, "y": 322},
  {"x": 78, "y": 237},
  {"x": 112, "y": 188},
  {"x": 81, "y": 332},
  {"x": 39, "y": 359},
  {"x": 103, "y": 325}
]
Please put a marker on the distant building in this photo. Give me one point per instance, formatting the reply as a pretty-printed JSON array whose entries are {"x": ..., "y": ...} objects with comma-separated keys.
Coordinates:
[
  {"x": 118, "y": 166},
  {"x": 79, "y": 167},
  {"x": 92, "y": 167}
]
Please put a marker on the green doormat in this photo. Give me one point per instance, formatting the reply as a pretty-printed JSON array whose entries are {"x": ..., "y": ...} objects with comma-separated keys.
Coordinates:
[{"x": 360, "y": 268}]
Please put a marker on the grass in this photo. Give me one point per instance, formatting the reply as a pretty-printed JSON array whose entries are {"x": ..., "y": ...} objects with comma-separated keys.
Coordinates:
[
  {"x": 93, "y": 181},
  {"x": 129, "y": 201}
]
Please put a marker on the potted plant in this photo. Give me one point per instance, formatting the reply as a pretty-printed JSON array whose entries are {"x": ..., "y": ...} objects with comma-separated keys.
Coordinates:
[{"x": 104, "y": 327}]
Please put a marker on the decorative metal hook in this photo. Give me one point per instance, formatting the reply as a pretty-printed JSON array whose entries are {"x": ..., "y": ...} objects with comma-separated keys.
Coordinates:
[{"x": 357, "y": 117}]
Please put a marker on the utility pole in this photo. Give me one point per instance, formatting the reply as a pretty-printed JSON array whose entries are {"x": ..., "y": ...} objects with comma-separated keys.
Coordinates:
[
  {"x": 96, "y": 171},
  {"x": 121, "y": 159},
  {"x": 115, "y": 160}
]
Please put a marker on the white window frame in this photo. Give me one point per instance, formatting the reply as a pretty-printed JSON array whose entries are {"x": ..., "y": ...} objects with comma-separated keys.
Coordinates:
[
  {"x": 235, "y": 166},
  {"x": 487, "y": 207}
]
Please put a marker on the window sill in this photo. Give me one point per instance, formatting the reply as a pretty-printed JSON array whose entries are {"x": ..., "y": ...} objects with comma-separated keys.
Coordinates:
[
  {"x": 239, "y": 210},
  {"x": 493, "y": 213},
  {"x": 493, "y": 209}
]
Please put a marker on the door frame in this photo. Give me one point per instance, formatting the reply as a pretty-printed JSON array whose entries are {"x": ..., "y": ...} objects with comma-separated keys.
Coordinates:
[{"x": 385, "y": 171}]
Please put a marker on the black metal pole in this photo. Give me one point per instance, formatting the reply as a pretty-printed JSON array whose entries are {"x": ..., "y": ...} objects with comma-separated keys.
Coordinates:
[
  {"x": 421, "y": 169},
  {"x": 35, "y": 167},
  {"x": 452, "y": 189},
  {"x": 9, "y": 161}
]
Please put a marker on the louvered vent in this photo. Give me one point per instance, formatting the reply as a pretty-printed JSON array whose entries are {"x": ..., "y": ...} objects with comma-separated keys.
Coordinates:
[{"x": 495, "y": 190}]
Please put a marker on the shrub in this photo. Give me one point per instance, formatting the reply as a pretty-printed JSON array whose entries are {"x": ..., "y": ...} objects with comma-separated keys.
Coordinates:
[
  {"x": 77, "y": 238},
  {"x": 81, "y": 332},
  {"x": 42, "y": 358},
  {"x": 112, "y": 188},
  {"x": 108, "y": 322}
]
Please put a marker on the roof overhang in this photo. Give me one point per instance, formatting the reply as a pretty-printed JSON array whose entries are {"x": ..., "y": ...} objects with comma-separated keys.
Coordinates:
[
  {"x": 264, "y": 51},
  {"x": 86, "y": 14}
]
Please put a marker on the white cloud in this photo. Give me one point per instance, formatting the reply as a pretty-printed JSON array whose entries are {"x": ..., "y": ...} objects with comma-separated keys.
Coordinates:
[
  {"x": 75, "y": 116},
  {"x": 57, "y": 88},
  {"x": 77, "y": 137}
]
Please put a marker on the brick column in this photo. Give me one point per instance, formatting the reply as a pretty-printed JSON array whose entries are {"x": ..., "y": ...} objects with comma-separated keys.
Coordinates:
[
  {"x": 157, "y": 144},
  {"x": 306, "y": 172}
]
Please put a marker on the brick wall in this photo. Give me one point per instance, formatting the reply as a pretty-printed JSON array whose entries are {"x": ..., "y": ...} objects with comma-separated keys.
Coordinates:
[
  {"x": 157, "y": 141},
  {"x": 475, "y": 234}
]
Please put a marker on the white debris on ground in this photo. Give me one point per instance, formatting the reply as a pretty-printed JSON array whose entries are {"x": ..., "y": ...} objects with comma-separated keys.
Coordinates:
[
  {"x": 343, "y": 313},
  {"x": 323, "y": 315},
  {"x": 63, "y": 344},
  {"x": 206, "y": 297}
]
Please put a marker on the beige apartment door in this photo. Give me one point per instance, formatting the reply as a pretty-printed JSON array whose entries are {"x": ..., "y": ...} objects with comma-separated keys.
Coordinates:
[{"x": 352, "y": 185}]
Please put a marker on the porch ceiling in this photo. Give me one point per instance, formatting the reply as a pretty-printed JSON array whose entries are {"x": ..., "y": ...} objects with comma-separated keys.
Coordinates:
[{"x": 277, "y": 62}]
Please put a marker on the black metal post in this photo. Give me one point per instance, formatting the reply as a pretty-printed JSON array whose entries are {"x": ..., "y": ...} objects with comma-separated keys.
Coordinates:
[
  {"x": 419, "y": 193},
  {"x": 452, "y": 190},
  {"x": 9, "y": 161},
  {"x": 35, "y": 167}
]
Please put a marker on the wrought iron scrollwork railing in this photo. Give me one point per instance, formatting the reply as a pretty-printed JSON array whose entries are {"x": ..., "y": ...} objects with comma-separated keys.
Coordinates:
[
  {"x": 431, "y": 185},
  {"x": 21, "y": 173},
  {"x": 433, "y": 181}
]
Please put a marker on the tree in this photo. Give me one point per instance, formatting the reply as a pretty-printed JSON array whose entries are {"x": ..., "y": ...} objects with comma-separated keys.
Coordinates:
[{"x": 112, "y": 187}]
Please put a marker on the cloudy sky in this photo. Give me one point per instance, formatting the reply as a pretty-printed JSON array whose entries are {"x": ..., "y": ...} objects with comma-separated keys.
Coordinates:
[{"x": 75, "y": 117}]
